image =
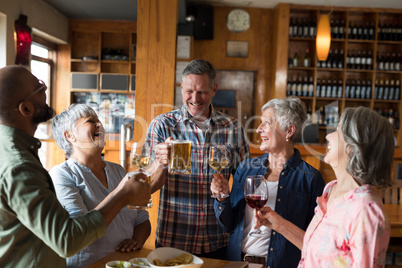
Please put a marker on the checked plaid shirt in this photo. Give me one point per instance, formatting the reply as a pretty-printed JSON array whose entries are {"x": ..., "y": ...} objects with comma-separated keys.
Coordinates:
[{"x": 186, "y": 218}]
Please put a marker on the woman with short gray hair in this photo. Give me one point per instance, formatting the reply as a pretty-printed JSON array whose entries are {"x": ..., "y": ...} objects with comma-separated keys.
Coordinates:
[
  {"x": 293, "y": 186},
  {"x": 350, "y": 227},
  {"x": 85, "y": 179}
]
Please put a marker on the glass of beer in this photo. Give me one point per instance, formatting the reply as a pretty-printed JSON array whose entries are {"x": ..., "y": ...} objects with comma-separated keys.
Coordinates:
[
  {"x": 180, "y": 157},
  {"x": 218, "y": 160},
  {"x": 140, "y": 158}
]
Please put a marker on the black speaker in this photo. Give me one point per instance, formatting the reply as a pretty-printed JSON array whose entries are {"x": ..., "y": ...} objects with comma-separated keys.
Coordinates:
[{"x": 204, "y": 22}]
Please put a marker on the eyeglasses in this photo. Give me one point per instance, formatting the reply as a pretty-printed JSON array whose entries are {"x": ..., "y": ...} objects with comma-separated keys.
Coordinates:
[{"x": 39, "y": 89}]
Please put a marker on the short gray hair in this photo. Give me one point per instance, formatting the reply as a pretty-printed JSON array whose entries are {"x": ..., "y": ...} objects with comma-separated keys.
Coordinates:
[
  {"x": 370, "y": 144},
  {"x": 290, "y": 110},
  {"x": 65, "y": 121},
  {"x": 200, "y": 67}
]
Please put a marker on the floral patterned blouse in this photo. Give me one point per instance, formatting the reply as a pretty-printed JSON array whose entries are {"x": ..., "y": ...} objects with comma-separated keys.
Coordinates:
[{"x": 353, "y": 231}]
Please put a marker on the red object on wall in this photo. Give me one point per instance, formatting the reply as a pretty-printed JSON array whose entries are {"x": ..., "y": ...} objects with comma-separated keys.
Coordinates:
[{"x": 23, "y": 40}]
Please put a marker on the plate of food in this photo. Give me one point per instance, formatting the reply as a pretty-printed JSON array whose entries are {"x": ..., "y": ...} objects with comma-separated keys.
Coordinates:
[
  {"x": 139, "y": 262},
  {"x": 168, "y": 257},
  {"x": 118, "y": 264}
]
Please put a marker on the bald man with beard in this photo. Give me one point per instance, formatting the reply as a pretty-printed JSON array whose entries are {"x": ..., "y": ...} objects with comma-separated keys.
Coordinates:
[{"x": 35, "y": 230}]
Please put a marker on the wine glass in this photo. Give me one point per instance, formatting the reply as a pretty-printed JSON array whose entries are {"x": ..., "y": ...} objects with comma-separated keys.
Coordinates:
[
  {"x": 218, "y": 160},
  {"x": 140, "y": 158},
  {"x": 256, "y": 193}
]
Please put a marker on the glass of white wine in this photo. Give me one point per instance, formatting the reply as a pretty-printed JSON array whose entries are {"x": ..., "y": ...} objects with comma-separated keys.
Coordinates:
[
  {"x": 140, "y": 159},
  {"x": 218, "y": 160}
]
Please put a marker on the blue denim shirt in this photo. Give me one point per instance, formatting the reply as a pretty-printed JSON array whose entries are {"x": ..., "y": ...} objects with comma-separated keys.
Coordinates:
[{"x": 299, "y": 186}]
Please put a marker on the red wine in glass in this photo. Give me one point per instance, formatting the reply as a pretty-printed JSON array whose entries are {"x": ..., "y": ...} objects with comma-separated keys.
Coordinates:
[
  {"x": 256, "y": 194},
  {"x": 256, "y": 201}
]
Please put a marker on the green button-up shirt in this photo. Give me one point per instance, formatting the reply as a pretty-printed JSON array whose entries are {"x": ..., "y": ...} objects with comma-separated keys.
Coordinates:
[{"x": 35, "y": 230}]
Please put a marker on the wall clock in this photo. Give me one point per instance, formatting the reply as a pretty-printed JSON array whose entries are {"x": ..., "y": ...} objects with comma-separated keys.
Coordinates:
[{"x": 238, "y": 20}]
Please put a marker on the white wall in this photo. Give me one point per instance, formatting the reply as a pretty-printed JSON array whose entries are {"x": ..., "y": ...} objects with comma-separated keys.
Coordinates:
[{"x": 42, "y": 18}]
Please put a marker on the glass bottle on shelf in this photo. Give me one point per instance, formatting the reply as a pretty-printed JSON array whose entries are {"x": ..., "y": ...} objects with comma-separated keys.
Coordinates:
[
  {"x": 307, "y": 59},
  {"x": 376, "y": 88},
  {"x": 347, "y": 89},
  {"x": 291, "y": 25},
  {"x": 380, "y": 90},
  {"x": 363, "y": 60},
  {"x": 318, "y": 89},
  {"x": 341, "y": 59},
  {"x": 369, "y": 60},
  {"x": 323, "y": 89},
  {"x": 352, "y": 89},
  {"x": 368, "y": 89},
  {"x": 296, "y": 58},
  {"x": 386, "y": 90},
  {"x": 305, "y": 87},
  {"x": 357, "y": 90},
  {"x": 310, "y": 87},
  {"x": 341, "y": 30},
  {"x": 397, "y": 91},
  {"x": 299, "y": 91},
  {"x": 294, "y": 86},
  {"x": 340, "y": 87},
  {"x": 363, "y": 90},
  {"x": 295, "y": 28},
  {"x": 391, "y": 89},
  {"x": 329, "y": 89}
]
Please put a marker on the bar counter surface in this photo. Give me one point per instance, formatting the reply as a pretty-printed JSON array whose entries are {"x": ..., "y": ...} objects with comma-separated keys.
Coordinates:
[
  {"x": 143, "y": 253},
  {"x": 394, "y": 213}
]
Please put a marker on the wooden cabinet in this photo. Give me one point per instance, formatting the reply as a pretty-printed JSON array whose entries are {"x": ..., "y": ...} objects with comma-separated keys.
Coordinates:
[
  {"x": 103, "y": 73},
  {"x": 362, "y": 69}
]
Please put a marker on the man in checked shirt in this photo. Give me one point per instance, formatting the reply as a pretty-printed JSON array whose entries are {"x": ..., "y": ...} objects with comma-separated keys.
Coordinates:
[{"x": 186, "y": 218}]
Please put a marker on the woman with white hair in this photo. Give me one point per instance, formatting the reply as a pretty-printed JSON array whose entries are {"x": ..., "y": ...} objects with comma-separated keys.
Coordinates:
[
  {"x": 350, "y": 227},
  {"x": 85, "y": 179},
  {"x": 293, "y": 185}
]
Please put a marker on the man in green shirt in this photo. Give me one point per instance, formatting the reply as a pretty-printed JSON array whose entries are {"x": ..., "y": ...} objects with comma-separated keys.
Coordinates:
[{"x": 35, "y": 230}]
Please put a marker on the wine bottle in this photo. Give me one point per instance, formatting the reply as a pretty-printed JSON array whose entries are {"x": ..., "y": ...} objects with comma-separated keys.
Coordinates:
[
  {"x": 376, "y": 89},
  {"x": 368, "y": 89},
  {"x": 323, "y": 89},
  {"x": 354, "y": 31},
  {"x": 386, "y": 62},
  {"x": 291, "y": 25},
  {"x": 371, "y": 31},
  {"x": 398, "y": 62},
  {"x": 341, "y": 30},
  {"x": 289, "y": 88},
  {"x": 299, "y": 91},
  {"x": 352, "y": 60},
  {"x": 328, "y": 94},
  {"x": 305, "y": 28},
  {"x": 381, "y": 90},
  {"x": 307, "y": 59},
  {"x": 334, "y": 90},
  {"x": 397, "y": 90},
  {"x": 296, "y": 28},
  {"x": 347, "y": 89},
  {"x": 318, "y": 89},
  {"x": 341, "y": 59},
  {"x": 300, "y": 29},
  {"x": 358, "y": 60},
  {"x": 369, "y": 60},
  {"x": 296, "y": 58},
  {"x": 336, "y": 29},
  {"x": 363, "y": 60},
  {"x": 386, "y": 90},
  {"x": 363, "y": 90},
  {"x": 305, "y": 87},
  {"x": 310, "y": 87},
  {"x": 294, "y": 86},
  {"x": 358, "y": 89},
  {"x": 335, "y": 58},
  {"x": 352, "y": 90},
  {"x": 391, "y": 90},
  {"x": 340, "y": 87}
]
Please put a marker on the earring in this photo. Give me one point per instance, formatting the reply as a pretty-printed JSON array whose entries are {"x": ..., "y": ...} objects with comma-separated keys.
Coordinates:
[{"x": 287, "y": 139}]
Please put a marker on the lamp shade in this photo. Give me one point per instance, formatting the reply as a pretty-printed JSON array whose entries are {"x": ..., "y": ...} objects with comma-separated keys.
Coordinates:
[{"x": 323, "y": 39}]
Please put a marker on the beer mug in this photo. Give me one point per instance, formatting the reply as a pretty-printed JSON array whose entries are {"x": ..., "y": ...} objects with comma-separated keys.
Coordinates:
[{"x": 180, "y": 157}]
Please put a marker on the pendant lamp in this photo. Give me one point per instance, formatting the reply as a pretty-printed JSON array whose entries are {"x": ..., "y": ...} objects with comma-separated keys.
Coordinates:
[{"x": 323, "y": 39}]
